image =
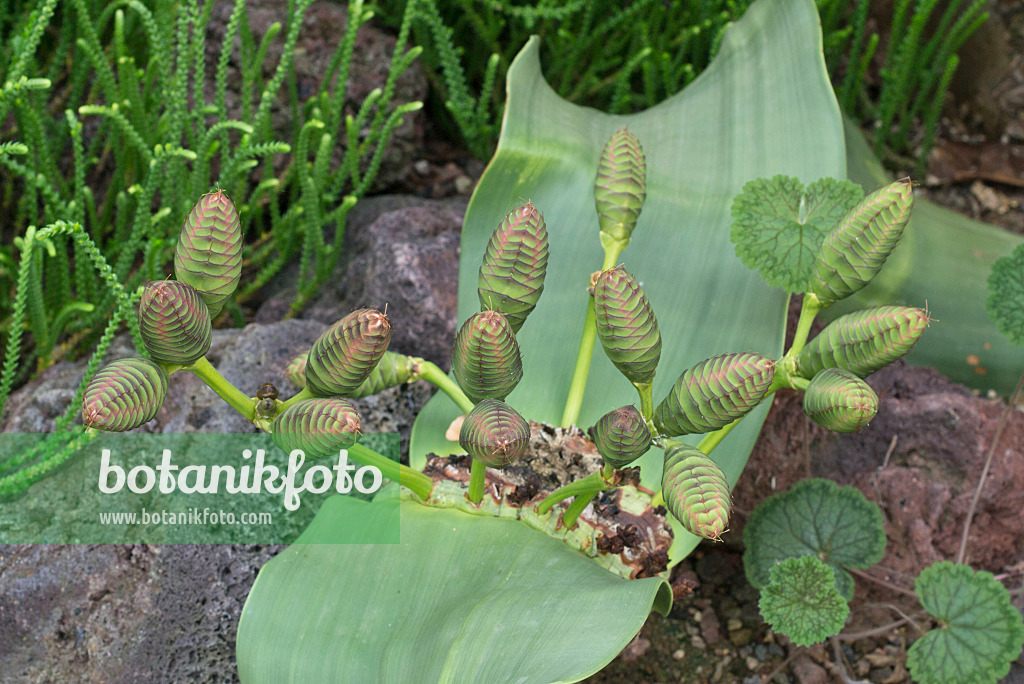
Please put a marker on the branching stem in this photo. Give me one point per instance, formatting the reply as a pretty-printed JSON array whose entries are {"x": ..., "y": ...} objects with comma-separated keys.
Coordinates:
[
  {"x": 219, "y": 384},
  {"x": 420, "y": 484}
]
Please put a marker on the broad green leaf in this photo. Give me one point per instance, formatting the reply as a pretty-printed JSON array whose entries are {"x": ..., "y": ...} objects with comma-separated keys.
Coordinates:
[
  {"x": 814, "y": 518},
  {"x": 979, "y": 630},
  {"x": 763, "y": 107},
  {"x": 1005, "y": 301},
  {"x": 779, "y": 224},
  {"x": 942, "y": 264},
  {"x": 802, "y": 602},
  {"x": 463, "y": 598}
]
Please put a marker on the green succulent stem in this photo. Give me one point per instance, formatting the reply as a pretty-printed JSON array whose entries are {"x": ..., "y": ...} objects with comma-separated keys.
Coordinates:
[
  {"x": 809, "y": 308},
  {"x": 590, "y": 485},
  {"x": 420, "y": 484},
  {"x": 304, "y": 393},
  {"x": 646, "y": 392},
  {"x": 224, "y": 389},
  {"x": 574, "y": 401},
  {"x": 713, "y": 439},
  {"x": 477, "y": 481},
  {"x": 572, "y": 513},
  {"x": 437, "y": 377}
]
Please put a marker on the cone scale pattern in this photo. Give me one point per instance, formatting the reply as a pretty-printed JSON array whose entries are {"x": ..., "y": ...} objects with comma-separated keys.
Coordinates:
[
  {"x": 392, "y": 370},
  {"x": 486, "y": 361},
  {"x": 857, "y": 248},
  {"x": 124, "y": 395},
  {"x": 512, "y": 275},
  {"x": 864, "y": 341},
  {"x": 714, "y": 393},
  {"x": 174, "y": 322},
  {"x": 494, "y": 434},
  {"x": 840, "y": 401},
  {"x": 621, "y": 436},
  {"x": 345, "y": 355},
  {"x": 295, "y": 371},
  {"x": 209, "y": 252},
  {"x": 319, "y": 427},
  {"x": 621, "y": 185},
  {"x": 626, "y": 325},
  {"x": 695, "y": 491}
]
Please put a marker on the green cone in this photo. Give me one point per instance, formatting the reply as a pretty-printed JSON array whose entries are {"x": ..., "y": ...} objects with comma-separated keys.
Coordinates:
[
  {"x": 621, "y": 436},
  {"x": 319, "y": 427},
  {"x": 392, "y": 370},
  {"x": 345, "y": 355},
  {"x": 515, "y": 263},
  {"x": 714, "y": 393},
  {"x": 626, "y": 325},
  {"x": 863, "y": 341},
  {"x": 695, "y": 491},
  {"x": 209, "y": 253},
  {"x": 174, "y": 322},
  {"x": 858, "y": 246},
  {"x": 486, "y": 361},
  {"x": 621, "y": 185},
  {"x": 295, "y": 371},
  {"x": 124, "y": 395},
  {"x": 494, "y": 434},
  {"x": 840, "y": 401}
]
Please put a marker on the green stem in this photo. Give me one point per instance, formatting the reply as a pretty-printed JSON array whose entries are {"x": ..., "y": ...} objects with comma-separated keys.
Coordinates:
[
  {"x": 809, "y": 308},
  {"x": 228, "y": 392},
  {"x": 592, "y": 483},
  {"x": 420, "y": 484},
  {"x": 437, "y": 377},
  {"x": 713, "y": 439},
  {"x": 477, "y": 481},
  {"x": 572, "y": 513},
  {"x": 574, "y": 401},
  {"x": 646, "y": 392},
  {"x": 303, "y": 394}
]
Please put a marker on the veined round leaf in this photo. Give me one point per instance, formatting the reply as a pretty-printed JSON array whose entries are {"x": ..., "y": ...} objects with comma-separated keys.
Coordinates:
[
  {"x": 626, "y": 325},
  {"x": 319, "y": 427},
  {"x": 124, "y": 394},
  {"x": 486, "y": 361},
  {"x": 209, "y": 252},
  {"x": 1005, "y": 301},
  {"x": 814, "y": 518},
  {"x": 515, "y": 264},
  {"x": 802, "y": 602},
  {"x": 329, "y": 612},
  {"x": 778, "y": 225},
  {"x": 494, "y": 434},
  {"x": 979, "y": 632},
  {"x": 174, "y": 322},
  {"x": 621, "y": 436},
  {"x": 344, "y": 356}
]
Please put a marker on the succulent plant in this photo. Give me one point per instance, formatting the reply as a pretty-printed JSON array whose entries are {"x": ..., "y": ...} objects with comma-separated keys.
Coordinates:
[
  {"x": 486, "y": 361},
  {"x": 863, "y": 341},
  {"x": 174, "y": 322},
  {"x": 494, "y": 434},
  {"x": 346, "y": 353},
  {"x": 124, "y": 394},
  {"x": 840, "y": 401},
  {"x": 621, "y": 185},
  {"x": 621, "y": 436},
  {"x": 296, "y": 370},
  {"x": 695, "y": 491},
  {"x": 319, "y": 427},
  {"x": 714, "y": 393},
  {"x": 209, "y": 252},
  {"x": 855, "y": 250},
  {"x": 392, "y": 370},
  {"x": 626, "y": 325},
  {"x": 515, "y": 263}
]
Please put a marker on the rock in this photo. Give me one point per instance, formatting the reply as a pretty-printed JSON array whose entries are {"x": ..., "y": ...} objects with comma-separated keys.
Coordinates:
[
  {"x": 710, "y": 627},
  {"x": 807, "y": 671},
  {"x": 322, "y": 28}
]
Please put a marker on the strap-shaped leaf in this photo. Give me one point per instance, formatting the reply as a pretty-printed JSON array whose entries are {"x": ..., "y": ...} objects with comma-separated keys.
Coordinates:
[
  {"x": 621, "y": 436},
  {"x": 840, "y": 401},
  {"x": 864, "y": 341},
  {"x": 626, "y": 325},
  {"x": 494, "y": 434},
  {"x": 124, "y": 394},
  {"x": 695, "y": 491},
  {"x": 714, "y": 393},
  {"x": 515, "y": 263},
  {"x": 174, "y": 322},
  {"x": 486, "y": 361},
  {"x": 345, "y": 355},
  {"x": 209, "y": 252},
  {"x": 319, "y": 427}
]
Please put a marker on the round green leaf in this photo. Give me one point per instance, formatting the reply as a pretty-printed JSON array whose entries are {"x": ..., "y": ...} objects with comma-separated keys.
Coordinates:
[
  {"x": 802, "y": 602},
  {"x": 1005, "y": 301},
  {"x": 979, "y": 630}
]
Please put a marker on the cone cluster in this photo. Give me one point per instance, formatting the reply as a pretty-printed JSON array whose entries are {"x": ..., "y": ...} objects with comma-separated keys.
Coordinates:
[
  {"x": 209, "y": 252},
  {"x": 174, "y": 322},
  {"x": 486, "y": 361},
  {"x": 320, "y": 427},
  {"x": 840, "y": 401},
  {"x": 621, "y": 436},
  {"x": 626, "y": 325},
  {"x": 621, "y": 185},
  {"x": 864, "y": 341},
  {"x": 494, "y": 434},
  {"x": 124, "y": 395},
  {"x": 515, "y": 263},
  {"x": 346, "y": 353},
  {"x": 695, "y": 491}
]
